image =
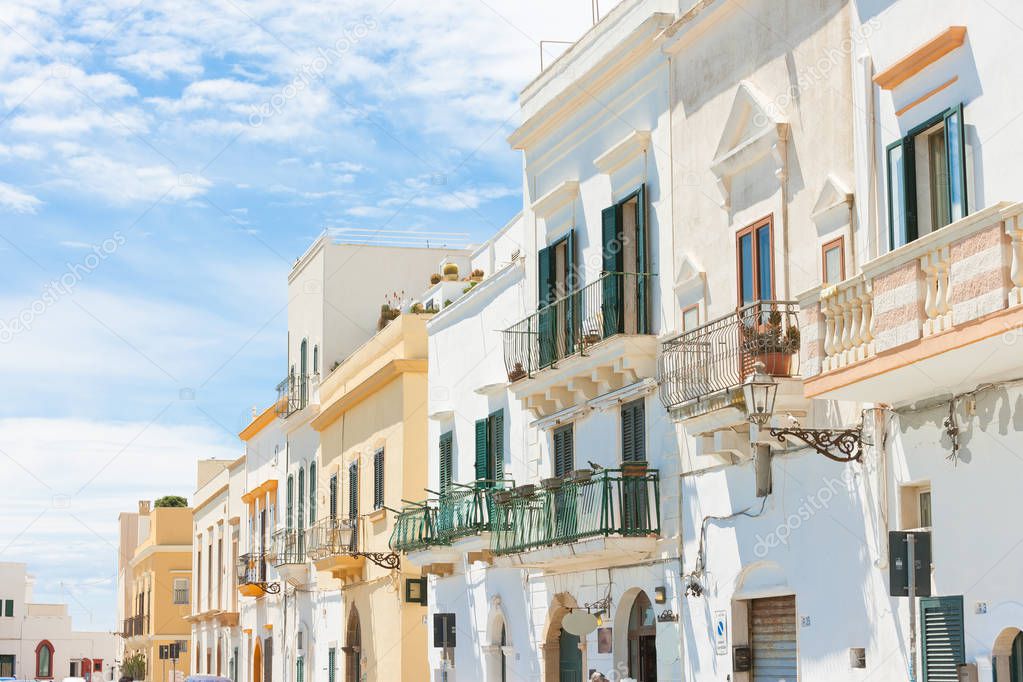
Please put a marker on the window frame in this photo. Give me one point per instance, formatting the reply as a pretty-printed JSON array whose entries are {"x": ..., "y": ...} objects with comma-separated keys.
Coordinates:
[
  {"x": 753, "y": 229},
  {"x": 378, "y": 479},
  {"x": 626, "y": 412},
  {"x": 44, "y": 644},
  {"x": 690, "y": 308},
  {"x": 908, "y": 145},
  {"x": 836, "y": 243}
]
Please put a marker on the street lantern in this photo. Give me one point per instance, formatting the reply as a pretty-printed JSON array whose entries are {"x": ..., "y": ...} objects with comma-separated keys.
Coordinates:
[{"x": 759, "y": 390}]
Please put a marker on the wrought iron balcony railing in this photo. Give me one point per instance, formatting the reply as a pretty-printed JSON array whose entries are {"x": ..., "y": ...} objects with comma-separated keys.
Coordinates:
[
  {"x": 720, "y": 354},
  {"x": 287, "y": 546},
  {"x": 415, "y": 528},
  {"x": 251, "y": 569},
  {"x": 604, "y": 503},
  {"x": 332, "y": 537},
  {"x": 464, "y": 511},
  {"x": 293, "y": 393},
  {"x": 135, "y": 626},
  {"x": 617, "y": 303}
]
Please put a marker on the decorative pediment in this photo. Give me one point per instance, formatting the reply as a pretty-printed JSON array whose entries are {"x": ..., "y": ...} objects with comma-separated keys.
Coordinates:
[
  {"x": 634, "y": 144},
  {"x": 689, "y": 275},
  {"x": 752, "y": 132},
  {"x": 549, "y": 203},
  {"x": 834, "y": 196}
]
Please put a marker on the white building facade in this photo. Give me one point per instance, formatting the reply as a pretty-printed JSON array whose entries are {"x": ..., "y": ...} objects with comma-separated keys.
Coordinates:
[{"x": 38, "y": 641}]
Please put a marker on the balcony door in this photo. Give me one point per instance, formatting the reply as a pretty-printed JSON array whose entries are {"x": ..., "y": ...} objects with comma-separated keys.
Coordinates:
[
  {"x": 624, "y": 292},
  {"x": 755, "y": 269},
  {"x": 556, "y": 278}
]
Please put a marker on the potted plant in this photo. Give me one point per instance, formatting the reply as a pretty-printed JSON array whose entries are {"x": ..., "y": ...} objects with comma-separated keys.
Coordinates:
[
  {"x": 502, "y": 496},
  {"x": 517, "y": 372},
  {"x": 635, "y": 468},
  {"x": 476, "y": 275},
  {"x": 435, "y": 278},
  {"x": 526, "y": 490},
  {"x": 387, "y": 314},
  {"x": 469, "y": 286},
  {"x": 418, "y": 308},
  {"x": 770, "y": 344},
  {"x": 451, "y": 272}
]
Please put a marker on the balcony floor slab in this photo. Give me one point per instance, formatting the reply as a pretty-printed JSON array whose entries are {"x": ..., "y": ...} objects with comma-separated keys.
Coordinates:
[{"x": 596, "y": 552}]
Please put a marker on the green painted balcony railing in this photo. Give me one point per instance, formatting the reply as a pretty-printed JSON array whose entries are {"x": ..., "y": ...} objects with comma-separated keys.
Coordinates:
[
  {"x": 415, "y": 528},
  {"x": 464, "y": 511},
  {"x": 608, "y": 502}
]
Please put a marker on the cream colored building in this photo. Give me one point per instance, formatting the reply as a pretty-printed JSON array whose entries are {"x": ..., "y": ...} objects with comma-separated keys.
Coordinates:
[
  {"x": 216, "y": 526},
  {"x": 161, "y": 589}
]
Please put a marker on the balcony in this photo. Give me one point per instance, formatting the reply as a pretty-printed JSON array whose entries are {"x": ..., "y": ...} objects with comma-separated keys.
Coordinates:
[
  {"x": 136, "y": 626},
  {"x": 590, "y": 519},
  {"x": 700, "y": 372},
  {"x": 294, "y": 393},
  {"x": 251, "y": 572},
  {"x": 332, "y": 543},
  {"x": 933, "y": 317},
  {"x": 566, "y": 354},
  {"x": 287, "y": 554},
  {"x": 456, "y": 523}
]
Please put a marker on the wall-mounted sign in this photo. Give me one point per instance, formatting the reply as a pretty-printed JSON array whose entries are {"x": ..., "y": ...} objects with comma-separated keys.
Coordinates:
[
  {"x": 721, "y": 632},
  {"x": 415, "y": 591},
  {"x": 604, "y": 639}
]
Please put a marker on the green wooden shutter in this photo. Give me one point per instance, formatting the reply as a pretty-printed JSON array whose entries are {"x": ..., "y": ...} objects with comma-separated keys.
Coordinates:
[
  {"x": 331, "y": 664},
  {"x": 333, "y": 497},
  {"x": 573, "y": 305},
  {"x": 301, "y": 499},
  {"x": 942, "y": 639},
  {"x": 611, "y": 250},
  {"x": 290, "y": 496},
  {"x": 546, "y": 319},
  {"x": 378, "y": 479},
  {"x": 544, "y": 277},
  {"x": 446, "y": 447},
  {"x": 353, "y": 490},
  {"x": 955, "y": 143},
  {"x": 634, "y": 431},
  {"x": 642, "y": 266},
  {"x": 564, "y": 459},
  {"x": 481, "y": 449},
  {"x": 497, "y": 445},
  {"x": 312, "y": 493}
]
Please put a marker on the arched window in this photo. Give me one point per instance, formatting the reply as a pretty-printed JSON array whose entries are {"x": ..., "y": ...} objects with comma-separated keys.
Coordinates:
[
  {"x": 301, "y": 515},
  {"x": 303, "y": 359},
  {"x": 44, "y": 660},
  {"x": 353, "y": 647},
  {"x": 642, "y": 639},
  {"x": 316, "y": 359},
  {"x": 312, "y": 494}
]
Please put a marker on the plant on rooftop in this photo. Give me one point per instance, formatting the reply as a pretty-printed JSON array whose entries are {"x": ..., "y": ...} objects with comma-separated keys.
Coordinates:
[
  {"x": 171, "y": 501},
  {"x": 451, "y": 272},
  {"x": 435, "y": 278}
]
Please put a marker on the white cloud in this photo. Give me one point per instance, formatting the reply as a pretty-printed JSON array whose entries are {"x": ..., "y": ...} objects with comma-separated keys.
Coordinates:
[
  {"x": 125, "y": 183},
  {"x": 15, "y": 200}
]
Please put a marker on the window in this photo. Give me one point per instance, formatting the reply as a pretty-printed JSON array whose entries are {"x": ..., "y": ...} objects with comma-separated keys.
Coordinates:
[
  {"x": 290, "y": 502},
  {"x": 691, "y": 317},
  {"x": 6, "y": 665},
  {"x": 353, "y": 490},
  {"x": 181, "y": 591},
  {"x": 333, "y": 497},
  {"x": 624, "y": 250},
  {"x": 915, "y": 503},
  {"x": 316, "y": 359},
  {"x": 209, "y": 574},
  {"x": 755, "y": 262},
  {"x": 564, "y": 451},
  {"x": 446, "y": 447},
  {"x": 833, "y": 261},
  {"x": 300, "y": 669},
  {"x": 220, "y": 571},
  {"x": 331, "y": 664},
  {"x": 378, "y": 479},
  {"x": 44, "y": 660},
  {"x": 490, "y": 448},
  {"x": 634, "y": 431},
  {"x": 8, "y": 608},
  {"x": 927, "y": 178},
  {"x": 556, "y": 278},
  {"x": 312, "y": 493},
  {"x": 301, "y": 499}
]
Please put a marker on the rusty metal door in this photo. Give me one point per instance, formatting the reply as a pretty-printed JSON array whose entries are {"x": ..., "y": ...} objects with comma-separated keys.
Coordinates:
[{"x": 773, "y": 638}]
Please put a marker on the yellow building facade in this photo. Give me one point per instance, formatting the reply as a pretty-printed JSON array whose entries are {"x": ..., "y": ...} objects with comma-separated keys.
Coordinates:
[
  {"x": 161, "y": 569},
  {"x": 373, "y": 428}
]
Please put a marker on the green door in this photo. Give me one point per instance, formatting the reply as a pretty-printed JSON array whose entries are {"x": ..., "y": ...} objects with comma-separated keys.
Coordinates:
[{"x": 570, "y": 658}]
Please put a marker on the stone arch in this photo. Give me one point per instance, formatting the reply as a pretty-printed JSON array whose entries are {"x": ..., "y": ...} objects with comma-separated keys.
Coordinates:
[
  {"x": 353, "y": 646},
  {"x": 1001, "y": 652},
  {"x": 620, "y": 641},
  {"x": 561, "y": 606}
]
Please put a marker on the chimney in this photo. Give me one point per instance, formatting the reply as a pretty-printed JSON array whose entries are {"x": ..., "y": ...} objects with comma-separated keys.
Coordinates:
[{"x": 144, "y": 507}]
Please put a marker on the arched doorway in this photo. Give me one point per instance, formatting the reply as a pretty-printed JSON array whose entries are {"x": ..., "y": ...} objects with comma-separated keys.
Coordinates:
[
  {"x": 642, "y": 659},
  {"x": 353, "y": 648},
  {"x": 1007, "y": 656},
  {"x": 563, "y": 658},
  {"x": 257, "y": 663}
]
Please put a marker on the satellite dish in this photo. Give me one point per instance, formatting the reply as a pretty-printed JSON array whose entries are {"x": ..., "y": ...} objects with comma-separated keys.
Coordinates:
[{"x": 579, "y": 623}]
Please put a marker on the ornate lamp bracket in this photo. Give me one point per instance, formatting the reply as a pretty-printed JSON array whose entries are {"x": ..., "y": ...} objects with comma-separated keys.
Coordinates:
[
  {"x": 844, "y": 445},
  {"x": 388, "y": 560}
]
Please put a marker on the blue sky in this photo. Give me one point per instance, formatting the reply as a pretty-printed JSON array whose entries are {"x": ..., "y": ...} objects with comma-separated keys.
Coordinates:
[{"x": 162, "y": 164}]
